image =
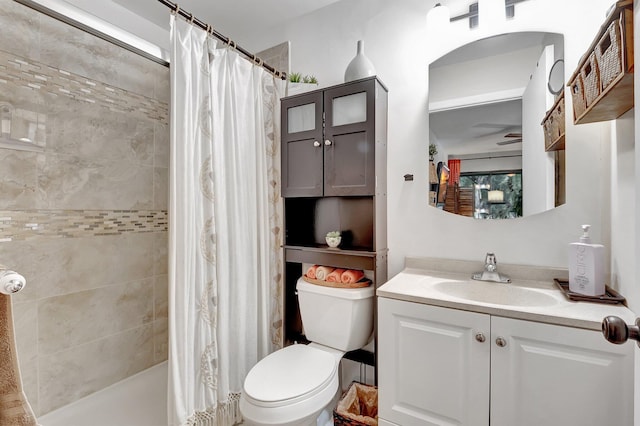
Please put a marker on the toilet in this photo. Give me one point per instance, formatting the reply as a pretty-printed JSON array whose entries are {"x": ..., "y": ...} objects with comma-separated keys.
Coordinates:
[{"x": 293, "y": 385}]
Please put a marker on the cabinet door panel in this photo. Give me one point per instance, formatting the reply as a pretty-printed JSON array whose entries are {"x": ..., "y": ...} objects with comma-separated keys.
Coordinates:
[
  {"x": 349, "y": 165},
  {"x": 432, "y": 370},
  {"x": 302, "y": 169},
  {"x": 552, "y": 375},
  {"x": 302, "y": 154}
]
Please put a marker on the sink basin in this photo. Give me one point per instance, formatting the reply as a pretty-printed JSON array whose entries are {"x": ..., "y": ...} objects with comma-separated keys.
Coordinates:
[{"x": 495, "y": 293}]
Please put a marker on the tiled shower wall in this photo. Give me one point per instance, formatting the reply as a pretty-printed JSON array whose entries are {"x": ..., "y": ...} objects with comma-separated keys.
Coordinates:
[{"x": 84, "y": 217}]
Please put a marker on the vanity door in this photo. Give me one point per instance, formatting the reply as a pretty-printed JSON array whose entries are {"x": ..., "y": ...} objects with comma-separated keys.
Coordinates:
[
  {"x": 433, "y": 365},
  {"x": 545, "y": 374}
]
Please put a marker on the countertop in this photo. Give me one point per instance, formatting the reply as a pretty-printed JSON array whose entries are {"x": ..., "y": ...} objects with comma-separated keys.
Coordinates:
[{"x": 419, "y": 283}]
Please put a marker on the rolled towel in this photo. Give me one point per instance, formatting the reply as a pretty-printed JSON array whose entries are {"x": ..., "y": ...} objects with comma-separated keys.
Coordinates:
[
  {"x": 351, "y": 276},
  {"x": 311, "y": 272},
  {"x": 323, "y": 271},
  {"x": 334, "y": 277}
]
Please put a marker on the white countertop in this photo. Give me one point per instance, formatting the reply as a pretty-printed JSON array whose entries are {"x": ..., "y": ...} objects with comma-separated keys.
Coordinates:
[{"x": 422, "y": 286}]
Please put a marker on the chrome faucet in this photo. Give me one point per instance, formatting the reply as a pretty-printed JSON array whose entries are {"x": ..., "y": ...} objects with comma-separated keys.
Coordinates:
[{"x": 490, "y": 272}]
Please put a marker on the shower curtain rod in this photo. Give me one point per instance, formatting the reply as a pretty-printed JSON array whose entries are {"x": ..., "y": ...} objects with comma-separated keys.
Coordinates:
[{"x": 193, "y": 20}]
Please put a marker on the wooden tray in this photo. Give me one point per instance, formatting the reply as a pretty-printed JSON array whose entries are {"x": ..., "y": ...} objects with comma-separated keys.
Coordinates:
[
  {"x": 364, "y": 282},
  {"x": 611, "y": 296}
]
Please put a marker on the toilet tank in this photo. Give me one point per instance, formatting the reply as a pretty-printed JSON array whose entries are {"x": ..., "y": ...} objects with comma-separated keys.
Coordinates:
[{"x": 341, "y": 318}]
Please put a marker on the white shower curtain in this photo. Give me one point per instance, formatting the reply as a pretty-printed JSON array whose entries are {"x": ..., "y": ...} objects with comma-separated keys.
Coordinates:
[{"x": 225, "y": 226}]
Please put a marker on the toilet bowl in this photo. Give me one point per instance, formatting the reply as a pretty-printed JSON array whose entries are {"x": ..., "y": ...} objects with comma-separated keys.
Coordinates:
[{"x": 293, "y": 385}]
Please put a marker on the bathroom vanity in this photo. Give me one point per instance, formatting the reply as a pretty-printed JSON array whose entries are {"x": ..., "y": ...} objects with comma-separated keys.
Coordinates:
[{"x": 457, "y": 351}]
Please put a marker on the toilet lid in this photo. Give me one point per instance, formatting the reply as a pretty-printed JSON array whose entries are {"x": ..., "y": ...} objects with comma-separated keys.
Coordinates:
[{"x": 289, "y": 373}]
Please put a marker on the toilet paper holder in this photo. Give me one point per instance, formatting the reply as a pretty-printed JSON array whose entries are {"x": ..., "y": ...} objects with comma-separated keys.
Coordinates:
[{"x": 11, "y": 282}]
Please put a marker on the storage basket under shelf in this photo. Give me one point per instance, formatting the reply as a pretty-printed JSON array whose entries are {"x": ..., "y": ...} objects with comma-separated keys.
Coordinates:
[
  {"x": 608, "y": 53},
  {"x": 554, "y": 126},
  {"x": 602, "y": 85}
]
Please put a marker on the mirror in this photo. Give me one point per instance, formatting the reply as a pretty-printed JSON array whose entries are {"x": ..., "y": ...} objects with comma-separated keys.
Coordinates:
[{"x": 487, "y": 101}]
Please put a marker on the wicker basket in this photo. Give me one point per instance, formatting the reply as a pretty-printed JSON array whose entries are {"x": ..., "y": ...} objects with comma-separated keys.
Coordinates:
[
  {"x": 553, "y": 125},
  {"x": 558, "y": 115},
  {"x": 609, "y": 54},
  {"x": 590, "y": 79},
  {"x": 358, "y": 406},
  {"x": 578, "y": 98}
]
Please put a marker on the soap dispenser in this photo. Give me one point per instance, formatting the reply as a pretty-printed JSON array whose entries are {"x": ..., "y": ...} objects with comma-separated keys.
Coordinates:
[{"x": 586, "y": 266}]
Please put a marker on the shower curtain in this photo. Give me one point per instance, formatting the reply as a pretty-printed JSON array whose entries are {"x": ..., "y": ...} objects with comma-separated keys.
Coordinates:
[{"x": 225, "y": 225}]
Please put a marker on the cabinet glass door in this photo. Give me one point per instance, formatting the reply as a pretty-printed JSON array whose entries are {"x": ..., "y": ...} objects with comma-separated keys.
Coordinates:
[
  {"x": 349, "y": 150},
  {"x": 302, "y": 154}
]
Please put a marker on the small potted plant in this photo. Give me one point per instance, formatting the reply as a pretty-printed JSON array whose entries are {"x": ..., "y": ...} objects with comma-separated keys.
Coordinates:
[
  {"x": 333, "y": 239},
  {"x": 300, "y": 84},
  {"x": 433, "y": 150}
]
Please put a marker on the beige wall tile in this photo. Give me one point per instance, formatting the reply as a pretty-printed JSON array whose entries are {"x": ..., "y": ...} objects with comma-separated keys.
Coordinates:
[
  {"x": 68, "y": 182},
  {"x": 68, "y": 375},
  {"x": 160, "y": 188},
  {"x": 17, "y": 255},
  {"x": 23, "y": 38},
  {"x": 160, "y": 253},
  {"x": 162, "y": 145},
  {"x": 25, "y": 318},
  {"x": 91, "y": 132},
  {"x": 161, "y": 340},
  {"x": 87, "y": 317},
  {"x": 18, "y": 178},
  {"x": 163, "y": 85},
  {"x": 70, "y": 265},
  {"x": 77, "y": 318},
  {"x": 161, "y": 297}
]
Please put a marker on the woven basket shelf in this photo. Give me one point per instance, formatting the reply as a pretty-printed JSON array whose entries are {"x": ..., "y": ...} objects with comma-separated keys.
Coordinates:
[
  {"x": 602, "y": 86},
  {"x": 554, "y": 126}
]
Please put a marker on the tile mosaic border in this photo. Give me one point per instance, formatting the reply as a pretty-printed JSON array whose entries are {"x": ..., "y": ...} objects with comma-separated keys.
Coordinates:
[
  {"x": 33, "y": 224},
  {"x": 35, "y": 75}
]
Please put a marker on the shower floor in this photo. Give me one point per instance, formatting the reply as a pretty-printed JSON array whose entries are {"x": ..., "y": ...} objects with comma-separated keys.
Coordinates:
[{"x": 139, "y": 400}]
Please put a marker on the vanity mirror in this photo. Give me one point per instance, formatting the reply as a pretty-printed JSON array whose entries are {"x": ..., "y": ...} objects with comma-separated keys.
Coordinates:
[{"x": 487, "y": 100}]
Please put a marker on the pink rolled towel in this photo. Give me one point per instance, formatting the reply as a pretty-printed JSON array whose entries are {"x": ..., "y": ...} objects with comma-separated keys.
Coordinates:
[
  {"x": 311, "y": 272},
  {"x": 351, "y": 276},
  {"x": 323, "y": 271},
  {"x": 334, "y": 277}
]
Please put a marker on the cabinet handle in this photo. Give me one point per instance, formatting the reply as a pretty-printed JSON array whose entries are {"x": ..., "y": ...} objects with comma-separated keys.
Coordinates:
[
  {"x": 327, "y": 142},
  {"x": 480, "y": 337},
  {"x": 316, "y": 144},
  {"x": 616, "y": 331},
  {"x": 500, "y": 341}
]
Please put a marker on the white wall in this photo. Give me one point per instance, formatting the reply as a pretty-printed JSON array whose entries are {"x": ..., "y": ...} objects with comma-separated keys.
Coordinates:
[
  {"x": 396, "y": 41},
  {"x": 491, "y": 165},
  {"x": 507, "y": 74},
  {"x": 538, "y": 166}
]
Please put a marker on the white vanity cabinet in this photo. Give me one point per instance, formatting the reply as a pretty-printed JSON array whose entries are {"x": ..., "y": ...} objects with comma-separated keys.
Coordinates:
[{"x": 443, "y": 366}]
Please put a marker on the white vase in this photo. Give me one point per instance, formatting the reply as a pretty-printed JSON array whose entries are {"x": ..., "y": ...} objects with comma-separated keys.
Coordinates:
[{"x": 360, "y": 66}]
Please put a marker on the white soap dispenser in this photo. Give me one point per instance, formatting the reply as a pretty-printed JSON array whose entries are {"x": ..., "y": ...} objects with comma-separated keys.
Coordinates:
[{"x": 586, "y": 266}]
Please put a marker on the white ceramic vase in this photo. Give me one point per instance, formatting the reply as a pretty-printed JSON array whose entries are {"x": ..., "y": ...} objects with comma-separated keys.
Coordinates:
[{"x": 360, "y": 66}]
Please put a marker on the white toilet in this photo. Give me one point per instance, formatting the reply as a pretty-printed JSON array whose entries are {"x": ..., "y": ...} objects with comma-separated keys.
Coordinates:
[{"x": 292, "y": 386}]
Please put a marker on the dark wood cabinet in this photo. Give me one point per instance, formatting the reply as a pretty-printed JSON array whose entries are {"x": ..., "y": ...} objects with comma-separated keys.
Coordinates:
[
  {"x": 329, "y": 140},
  {"x": 334, "y": 152}
]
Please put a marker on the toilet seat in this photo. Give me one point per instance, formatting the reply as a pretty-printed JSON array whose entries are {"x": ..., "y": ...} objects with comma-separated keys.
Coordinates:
[
  {"x": 290, "y": 375},
  {"x": 291, "y": 386}
]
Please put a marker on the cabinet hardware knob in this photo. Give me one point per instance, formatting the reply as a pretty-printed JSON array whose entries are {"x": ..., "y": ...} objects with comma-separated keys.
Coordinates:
[
  {"x": 500, "y": 341},
  {"x": 615, "y": 330},
  {"x": 316, "y": 144},
  {"x": 327, "y": 142},
  {"x": 480, "y": 337}
]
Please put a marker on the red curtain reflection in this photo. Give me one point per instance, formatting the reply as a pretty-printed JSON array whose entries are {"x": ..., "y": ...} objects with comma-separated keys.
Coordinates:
[{"x": 454, "y": 169}]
